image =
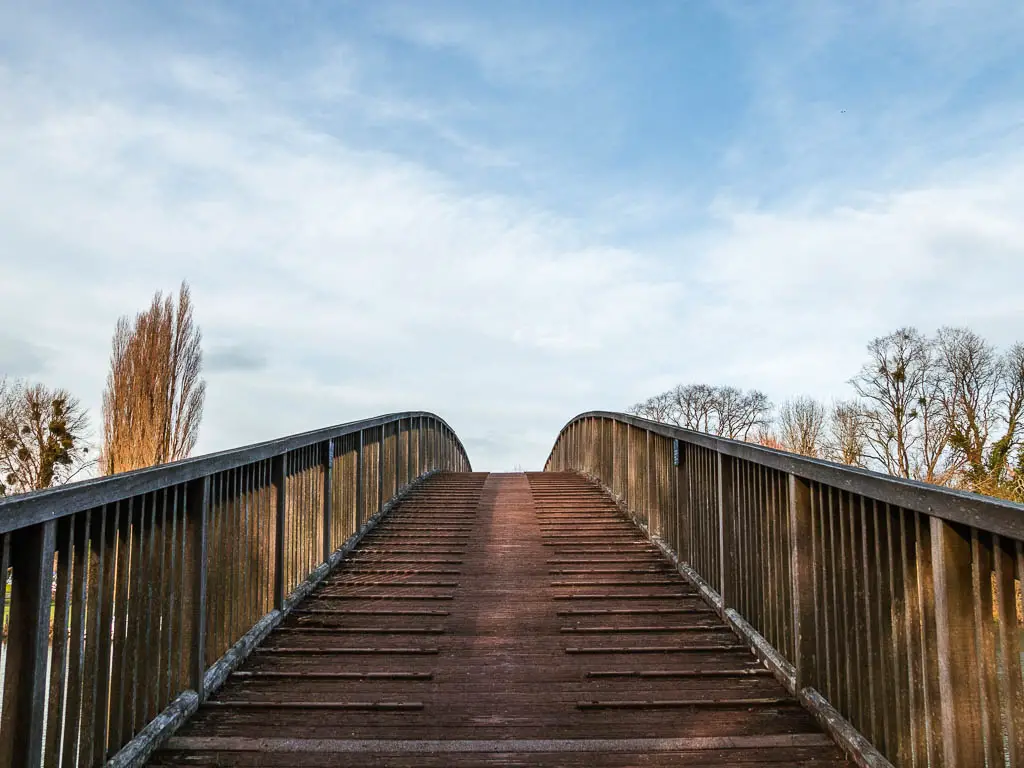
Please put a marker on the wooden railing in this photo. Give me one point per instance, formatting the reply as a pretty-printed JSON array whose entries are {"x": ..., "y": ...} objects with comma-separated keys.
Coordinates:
[
  {"x": 890, "y": 607},
  {"x": 133, "y": 597}
]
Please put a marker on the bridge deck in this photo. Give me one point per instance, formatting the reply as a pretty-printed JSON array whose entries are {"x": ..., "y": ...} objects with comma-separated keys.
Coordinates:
[{"x": 502, "y": 619}]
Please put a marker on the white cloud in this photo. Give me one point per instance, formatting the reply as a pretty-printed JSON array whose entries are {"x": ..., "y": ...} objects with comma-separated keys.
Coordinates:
[
  {"x": 369, "y": 282},
  {"x": 335, "y": 278}
]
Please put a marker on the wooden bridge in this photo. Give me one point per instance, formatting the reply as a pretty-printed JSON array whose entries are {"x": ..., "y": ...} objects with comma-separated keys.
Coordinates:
[{"x": 358, "y": 596}]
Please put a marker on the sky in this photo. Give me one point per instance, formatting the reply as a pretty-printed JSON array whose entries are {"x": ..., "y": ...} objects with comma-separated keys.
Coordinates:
[{"x": 505, "y": 213}]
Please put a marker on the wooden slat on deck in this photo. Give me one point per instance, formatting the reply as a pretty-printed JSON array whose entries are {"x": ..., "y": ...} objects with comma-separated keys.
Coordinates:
[{"x": 555, "y": 635}]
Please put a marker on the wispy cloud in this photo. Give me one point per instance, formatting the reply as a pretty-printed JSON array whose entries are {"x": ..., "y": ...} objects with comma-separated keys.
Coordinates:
[
  {"x": 372, "y": 283},
  {"x": 430, "y": 211}
]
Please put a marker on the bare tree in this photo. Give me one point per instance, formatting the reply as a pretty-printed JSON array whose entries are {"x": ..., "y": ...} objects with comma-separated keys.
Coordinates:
[
  {"x": 153, "y": 403},
  {"x": 933, "y": 461},
  {"x": 890, "y": 384},
  {"x": 739, "y": 414},
  {"x": 846, "y": 441},
  {"x": 983, "y": 398},
  {"x": 656, "y": 408},
  {"x": 43, "y": 435},
  {"x": 693, "y": 406},
  {"x": 1010, "y": 474},
  {"x": 802, "y": 426},
  {"x": 723, "y": 411}
]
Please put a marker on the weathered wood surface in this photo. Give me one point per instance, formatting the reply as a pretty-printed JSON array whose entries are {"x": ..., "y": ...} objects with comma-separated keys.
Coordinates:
[{"x": 503, "y": 619}]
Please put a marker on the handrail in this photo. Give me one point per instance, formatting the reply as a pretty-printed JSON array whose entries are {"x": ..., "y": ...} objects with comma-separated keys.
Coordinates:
[
  {"x": 892, "y": 608},
  {"x": 165, "y": 578}
]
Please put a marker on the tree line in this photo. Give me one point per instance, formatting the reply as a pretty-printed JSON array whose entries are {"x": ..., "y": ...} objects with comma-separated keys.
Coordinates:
[
  {"x": 946, "y": 408},
  {"x": 152, "y": 406}
]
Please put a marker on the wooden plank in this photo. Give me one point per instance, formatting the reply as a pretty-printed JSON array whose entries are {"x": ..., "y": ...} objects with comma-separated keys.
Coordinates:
[
  {"x": 63, "y": 593},
  {"x": 958, "y": 662},
  {"x": 25, "y": 684},
  {"x": 496, "y": 664},
  {"x": 804, "y": 567}
]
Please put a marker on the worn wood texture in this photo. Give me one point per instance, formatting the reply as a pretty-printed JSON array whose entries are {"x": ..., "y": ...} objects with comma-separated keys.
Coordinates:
[{"x": 502, "y": 620}]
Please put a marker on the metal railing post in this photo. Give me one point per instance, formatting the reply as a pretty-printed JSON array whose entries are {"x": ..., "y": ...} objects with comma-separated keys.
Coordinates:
[
  {"x": 409, "y": 476},
  {"x": 279, "y": 473},
  {"x": 25, "y": 687},
  {"x": 360, "y": 501},
  {"x": 726, "y": 524},
  {"x": 197, "y": 506},
  {"x": 802, "y": 567},
  {"x": 959, "y": 695},
  {"x": 380, "y": 468},
  {"x": 328, "y": 452}
]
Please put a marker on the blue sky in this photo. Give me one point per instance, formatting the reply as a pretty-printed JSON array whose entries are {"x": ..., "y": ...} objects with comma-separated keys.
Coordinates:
[{"x": 505, "y": 213}]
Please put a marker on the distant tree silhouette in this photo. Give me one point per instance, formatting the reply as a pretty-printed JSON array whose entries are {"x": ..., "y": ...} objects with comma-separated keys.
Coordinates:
[
  {"x": 718, "y": 410},
  {"x": 946, "y": 409}
]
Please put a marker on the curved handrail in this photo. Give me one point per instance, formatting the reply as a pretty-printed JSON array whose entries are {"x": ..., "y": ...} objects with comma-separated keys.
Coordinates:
[
  {"x": 38, "y": 506},
  {"x": 999, "y": 516},
  {"x": 164, "y": 579},
  {"x": 889, "y": 606}
]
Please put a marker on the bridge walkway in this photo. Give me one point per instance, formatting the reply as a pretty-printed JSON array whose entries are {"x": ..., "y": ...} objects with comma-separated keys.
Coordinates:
[{"x": 502, "y": 620}]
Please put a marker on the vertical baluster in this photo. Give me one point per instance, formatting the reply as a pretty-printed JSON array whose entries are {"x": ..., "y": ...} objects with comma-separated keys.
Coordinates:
[
  {"x": 822, "y": 614},
  {"x": 1011, "y": 683},
  {"x": 120, "y": 665},
  {"x": 279, "y": 478},
  {"x": 76, "y": 656},
  {"x": 916, "y": 714},
  {"x": 874, "y": 646},
  {"x": 161, "y": 685},
  {"x": 197, "y": 513},
  {"x": 101, "y": 658},
  {"x": 845, "y": 693},
  {"x": 265, "y": 516},
  {"x": 804, "y": 567},
  {"x": 855, "y": 568},
  {"x": 185, "y": 576},
  {"x": 981, "y": 574},
  {"x": 245, "y": 559},
  {"x": 25, "y": 684},
  {"x": 171, "y": 663},
  {"x": 882, "y": 605},
  {"x": 380, "y": 468},
  {"x": 928, "y": 642},
  {"x": 360, "y": 482},
  {"x": 233, "y": 593},
  {"x": 255, "y": 491},
  {"x": 726, "y": 524},
  {"x": 214, "y": 566},
  {"x": 59, "y": 643},
  {"x": 958, "y": 659},
  {"x": 903, "y": 750},
  {"x": 145, "y": 709},
  {"x": 328, "y": 524}
]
